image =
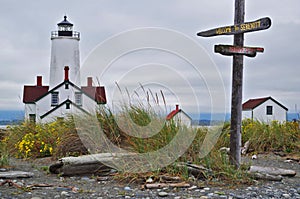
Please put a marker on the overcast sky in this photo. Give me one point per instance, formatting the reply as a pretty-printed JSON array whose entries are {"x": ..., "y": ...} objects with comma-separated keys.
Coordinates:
[{"x": 26, "y": 27}]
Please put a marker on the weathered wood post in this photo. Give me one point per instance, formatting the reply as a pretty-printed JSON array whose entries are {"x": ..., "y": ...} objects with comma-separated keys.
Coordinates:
[
  {"x": 238, "y": 50},
  {"x": 237, "y": 89}
]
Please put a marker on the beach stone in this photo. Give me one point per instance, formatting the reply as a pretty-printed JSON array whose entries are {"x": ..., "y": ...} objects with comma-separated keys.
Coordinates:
[
  {"x": 64, "y": 193},
  {"x": 285, "y": 195},
  {"x": 163, "y": 194}
]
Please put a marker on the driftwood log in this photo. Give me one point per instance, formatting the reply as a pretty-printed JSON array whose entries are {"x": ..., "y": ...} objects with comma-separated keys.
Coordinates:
[
  {"x": 16, "y": 174},
  {"x": 272, "y": 171},
  {"x": 86, "y": 164},
  {"x": 265, "y": 176}
]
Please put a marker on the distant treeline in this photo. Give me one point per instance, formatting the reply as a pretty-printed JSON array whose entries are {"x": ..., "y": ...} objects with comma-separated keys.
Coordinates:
[{"x": 10, "y": 122}]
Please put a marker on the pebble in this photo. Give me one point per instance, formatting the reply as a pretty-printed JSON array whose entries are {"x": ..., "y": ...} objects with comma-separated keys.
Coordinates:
[
  {"x": 64, "y": 193},
  {"x": 127, "y": 189},
  {"x": 163, "y": 194},
  {"x": 285, "y": 195}
]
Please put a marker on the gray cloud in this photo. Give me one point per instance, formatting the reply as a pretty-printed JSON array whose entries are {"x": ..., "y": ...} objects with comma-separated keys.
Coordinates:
[{"x": 26, "y": 26}]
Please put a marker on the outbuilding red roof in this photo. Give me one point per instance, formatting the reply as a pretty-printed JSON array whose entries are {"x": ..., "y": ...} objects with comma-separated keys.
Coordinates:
[
  {"x": 253, "y": 103},
  {"x": 172, "y": 114}
]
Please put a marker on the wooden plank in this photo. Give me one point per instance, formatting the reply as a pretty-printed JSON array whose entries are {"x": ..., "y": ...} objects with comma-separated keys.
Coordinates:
[
  {"x": 260, "y": 24},
  {"x": 230, "y": 50}
]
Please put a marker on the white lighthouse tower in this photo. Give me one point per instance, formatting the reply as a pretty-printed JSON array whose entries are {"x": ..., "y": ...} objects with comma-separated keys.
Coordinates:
[{"x": 64, "y": 52}]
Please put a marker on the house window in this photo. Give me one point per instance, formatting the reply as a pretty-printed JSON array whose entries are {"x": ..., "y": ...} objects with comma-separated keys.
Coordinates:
[
  {"x": 54, "y": 99},
  {"x": 32, "y": 118},
  {"x": 78, "y": 98},
  {"x": 68, "y": 105},
  {"x": 269, "y": 110}
]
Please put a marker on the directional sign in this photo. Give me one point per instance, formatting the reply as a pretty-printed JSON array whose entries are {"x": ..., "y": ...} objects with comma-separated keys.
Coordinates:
[
  {"x": 238, "y": 50},
  {"x": 260, "y": 24}
]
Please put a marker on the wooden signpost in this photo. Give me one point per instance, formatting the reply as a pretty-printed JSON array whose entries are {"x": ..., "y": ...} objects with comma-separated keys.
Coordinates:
[
  {"x": 237, "y": 51},
  {"x": 260, "y": 24}
]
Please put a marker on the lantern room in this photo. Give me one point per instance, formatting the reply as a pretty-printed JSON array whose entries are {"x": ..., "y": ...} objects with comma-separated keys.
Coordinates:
[{"x": 65, "y": 29}]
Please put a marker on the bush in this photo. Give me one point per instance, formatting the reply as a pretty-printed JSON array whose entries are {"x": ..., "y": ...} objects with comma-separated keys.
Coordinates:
[
  {"x": 275, "y": 136},
  {"x": 29, "y": 140}
]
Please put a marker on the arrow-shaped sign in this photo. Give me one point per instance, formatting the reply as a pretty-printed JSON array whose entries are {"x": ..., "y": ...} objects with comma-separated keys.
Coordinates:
[
  {"x": 260, "y": 24},
  {"x": 238, "y": 50}
]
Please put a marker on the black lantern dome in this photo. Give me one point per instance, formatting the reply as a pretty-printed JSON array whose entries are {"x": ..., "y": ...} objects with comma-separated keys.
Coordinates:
[{"x": 65, "y": 27}]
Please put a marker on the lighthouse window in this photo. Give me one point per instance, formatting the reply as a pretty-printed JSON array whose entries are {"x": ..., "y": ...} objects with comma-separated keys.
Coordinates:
[
  {"x": 54, "y": 99},
  {"x": 78, "y": 98}
]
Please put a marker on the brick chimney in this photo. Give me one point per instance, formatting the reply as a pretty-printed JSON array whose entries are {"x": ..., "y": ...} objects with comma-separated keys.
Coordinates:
[
  {"x": 177, "y": 107},
  {"x": 89, "y": 81},
  {"x": 66, "y": 73},
  {"x": 39, "y": 81}
]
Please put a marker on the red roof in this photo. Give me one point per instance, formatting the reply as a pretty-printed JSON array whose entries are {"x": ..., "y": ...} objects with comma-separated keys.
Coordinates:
[
  {"x": 172, "y": 114},
  {"x": 31, "y": 93},
  {"x": 253, "y": 103},
  {"x": 97, "y": 93}
]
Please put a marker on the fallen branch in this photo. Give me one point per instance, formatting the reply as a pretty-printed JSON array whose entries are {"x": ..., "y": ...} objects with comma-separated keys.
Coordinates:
[
  {"x": 162, "y": 185},
  {"x": 165, "y": 178},
  {"x": 11, "y": 183},
  {"x": 246, "y": 147},
  {"x": 32, "y": 186},
  {"x": 196, "y": 170}
]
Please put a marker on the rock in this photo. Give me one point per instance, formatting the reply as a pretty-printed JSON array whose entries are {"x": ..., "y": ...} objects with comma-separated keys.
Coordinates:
[
  {"x": 285, "y": 195},
  {"x": 203, "y": 197},
  {"x": 149, "y": 180},
  {"x": 163, "y": 194},
  {"x": 272, "y": 171},
  {"x": 64, "y": 193},
  {"x": 127, "y": 189}
]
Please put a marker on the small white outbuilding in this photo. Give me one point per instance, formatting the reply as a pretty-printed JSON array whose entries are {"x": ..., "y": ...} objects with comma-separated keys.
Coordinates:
[
  {"x": 264, "y": 109},
  {"x": 180, "y": 116}
]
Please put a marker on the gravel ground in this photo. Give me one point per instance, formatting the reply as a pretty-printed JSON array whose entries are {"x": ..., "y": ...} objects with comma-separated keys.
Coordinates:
[{"x": 92, "y": 187}]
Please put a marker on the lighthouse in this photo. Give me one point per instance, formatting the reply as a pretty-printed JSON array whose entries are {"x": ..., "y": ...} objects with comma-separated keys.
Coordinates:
[
  {"x": 64, "y": 96},
  {"x": 64, "y": 52}
]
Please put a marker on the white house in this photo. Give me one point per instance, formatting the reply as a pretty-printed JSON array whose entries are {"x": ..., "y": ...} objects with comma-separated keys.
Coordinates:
[
  {"x": 64, "y": 95},
  {"x": 264, "y": 109},
  {"x": 178, "y": 115}
]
